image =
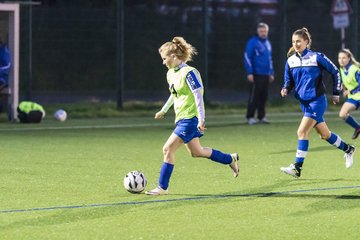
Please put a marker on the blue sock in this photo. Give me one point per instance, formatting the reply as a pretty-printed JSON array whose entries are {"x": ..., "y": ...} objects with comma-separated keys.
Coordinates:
[
  {"x": 220, "y": 157},
  {"x": 303, "y": 146},
  {"x": 352, "y": 122},
  {"x": 337, "y": 142},
  {"x": 165, "y": 174}
]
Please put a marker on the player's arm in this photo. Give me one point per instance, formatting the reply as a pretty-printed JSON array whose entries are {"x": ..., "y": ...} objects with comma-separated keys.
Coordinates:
[
  {"x": 5, "y": 62},
  {"x": 288, "y": 81},
  {"x": 330, "y": 67},
  {"x": 248, "y": 56},
  {"x": 192, "y": 80},
  {"x": 160, "y": 114}
]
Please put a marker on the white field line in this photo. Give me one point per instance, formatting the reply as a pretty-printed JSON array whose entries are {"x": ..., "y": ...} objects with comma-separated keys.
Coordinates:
[{"x": 214, "y": 121}]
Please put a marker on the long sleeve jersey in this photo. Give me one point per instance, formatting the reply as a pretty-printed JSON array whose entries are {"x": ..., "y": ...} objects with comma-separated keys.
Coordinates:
[
  {"x": 4, "y": 64},
  {"x": 304, "y": 75},
  {"x": 258, "y": 56}
]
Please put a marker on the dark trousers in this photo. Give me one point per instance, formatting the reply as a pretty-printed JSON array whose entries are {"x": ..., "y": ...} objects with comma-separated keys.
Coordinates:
[{"x": 258, "y": 96}]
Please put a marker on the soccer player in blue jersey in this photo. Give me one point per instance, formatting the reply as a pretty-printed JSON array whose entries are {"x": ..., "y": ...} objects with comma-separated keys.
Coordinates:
[
  {"x": 186, "y": 96},
  {"x": 303, "y": 74},
  {"x": 350, "y": 77}
]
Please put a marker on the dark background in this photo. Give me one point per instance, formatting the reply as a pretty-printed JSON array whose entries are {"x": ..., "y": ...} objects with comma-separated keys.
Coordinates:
[{"x": 74, "y": 44}]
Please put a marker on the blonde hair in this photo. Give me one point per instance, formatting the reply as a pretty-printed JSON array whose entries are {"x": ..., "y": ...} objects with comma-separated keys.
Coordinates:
[
  {"x": 180, "y": 48},
  {"x": 304, "y": 34},
  {"x": 350, "y": 55}
]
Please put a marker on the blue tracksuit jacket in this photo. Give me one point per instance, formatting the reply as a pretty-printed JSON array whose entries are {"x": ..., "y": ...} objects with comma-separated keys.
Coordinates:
[
  {"x": 304, "y": 75},
  {"x": 258, "y": 57}
]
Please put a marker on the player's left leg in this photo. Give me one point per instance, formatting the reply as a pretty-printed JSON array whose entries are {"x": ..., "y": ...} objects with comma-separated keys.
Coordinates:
[
  {"x": 169, "y": 149},
  {"x": 196, "y": 150},
  {"x": 349, "y": 106},
  {"x": 335, "y": 140}
]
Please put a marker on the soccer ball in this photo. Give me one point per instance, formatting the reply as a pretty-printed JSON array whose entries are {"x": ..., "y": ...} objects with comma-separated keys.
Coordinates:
[
  {"x": 135, "y": 182},
  {"x": 60, "y": 115}
]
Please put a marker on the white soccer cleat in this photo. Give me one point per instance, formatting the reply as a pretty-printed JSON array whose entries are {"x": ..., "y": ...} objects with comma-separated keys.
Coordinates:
[
  {"x": 349, "y": 157},
  {"x": 291, "y": 170},
  {"x": 234, "y": 164},
  {"x": 157, "y": 191}
]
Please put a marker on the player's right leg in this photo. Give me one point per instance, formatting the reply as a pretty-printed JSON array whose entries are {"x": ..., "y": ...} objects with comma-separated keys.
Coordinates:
[{"x": 169, "y": 149}]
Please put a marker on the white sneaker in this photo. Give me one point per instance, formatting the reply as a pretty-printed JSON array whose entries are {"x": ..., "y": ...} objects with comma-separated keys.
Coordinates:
[
  {"x": 252, "y": 121},
  {"x": 349, "y": 157},
  {"x": 234, "y": 164},
  {"x": 157, "y": 191},
  {"x": 264, "y": 121},
  {"x": 291, "y": 170}
]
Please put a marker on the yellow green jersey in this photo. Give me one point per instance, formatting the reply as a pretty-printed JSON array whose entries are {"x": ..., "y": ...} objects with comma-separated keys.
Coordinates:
[
  {"x": 351, "y": 78},
  {"x": 183, "y": 80}
]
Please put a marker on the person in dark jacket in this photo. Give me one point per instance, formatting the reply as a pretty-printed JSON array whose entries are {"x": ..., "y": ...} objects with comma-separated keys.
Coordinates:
[{"x": 260, "y": 72}]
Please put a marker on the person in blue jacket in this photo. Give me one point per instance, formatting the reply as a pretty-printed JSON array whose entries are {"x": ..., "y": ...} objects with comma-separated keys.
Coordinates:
[
  {"x": 5, "y": 65},
  {"x": 260, "y": 71},
  {"x": 303, "y": 74}
]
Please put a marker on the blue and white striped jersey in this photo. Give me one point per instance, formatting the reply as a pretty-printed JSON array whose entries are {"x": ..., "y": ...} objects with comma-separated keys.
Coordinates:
[{"x": 304, "y": 75}]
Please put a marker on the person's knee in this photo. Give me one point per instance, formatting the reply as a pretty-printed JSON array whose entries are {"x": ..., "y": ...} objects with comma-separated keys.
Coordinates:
[
  {"x": 166, "y": 150},
  {"x": 195, "y": 154},
  {"x": 301, "y": 133},
  {"x": 325, "y": 136},
  {"x": 343, "y": 115}
]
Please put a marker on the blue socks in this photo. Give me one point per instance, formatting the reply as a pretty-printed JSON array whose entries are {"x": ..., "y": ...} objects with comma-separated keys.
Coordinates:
[
  {"x": 352, "y": 122},
  {"x": 165, "y": 174},
  {"x": 220, "y": 157},
  {"x": 337, "y": 142},
  {"x": 303, "y": 146}
]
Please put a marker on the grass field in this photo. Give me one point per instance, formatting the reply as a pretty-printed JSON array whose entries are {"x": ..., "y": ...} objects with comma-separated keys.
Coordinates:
[{"x": 64, "y": 181}]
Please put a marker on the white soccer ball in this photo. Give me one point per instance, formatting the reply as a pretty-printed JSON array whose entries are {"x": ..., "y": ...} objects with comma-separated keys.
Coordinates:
[
  {"x": 135, "y": 182},
  {"x": 60, "y": 115}
]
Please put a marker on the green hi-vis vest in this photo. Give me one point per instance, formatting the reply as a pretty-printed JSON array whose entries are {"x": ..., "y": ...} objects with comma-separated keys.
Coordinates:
[
  {"x": 26, "y": 107},
  {"x": 184, "y": 102},
  {"x": 350, "y": 82}
]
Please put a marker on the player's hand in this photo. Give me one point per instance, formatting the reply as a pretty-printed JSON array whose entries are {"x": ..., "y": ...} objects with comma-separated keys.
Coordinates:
[
  {"x": 159, "y": 115},
  {"x": 336, "y": 99},
  {"x": 284, "y": 92},
  {"x": 250, "y": 78},
  {"x": 201, "y": 126},
  {"x": 345, "y": 93}
]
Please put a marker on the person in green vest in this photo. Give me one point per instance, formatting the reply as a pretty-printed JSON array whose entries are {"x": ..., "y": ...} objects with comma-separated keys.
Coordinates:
[
  {"x": 186, "y": 95},
  {"x": 30, "y": 112},
  {"x": 350, "y": 77}
]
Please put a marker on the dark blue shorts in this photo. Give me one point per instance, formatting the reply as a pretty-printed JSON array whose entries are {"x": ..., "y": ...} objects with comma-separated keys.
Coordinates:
[
  {"x": 186, "y": 129},
  {"x": 354, "y": 102},
  {"x": 315, "y": 109}
]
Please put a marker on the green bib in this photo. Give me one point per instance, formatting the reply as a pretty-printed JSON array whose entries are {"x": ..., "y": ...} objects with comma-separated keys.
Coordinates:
[
  {"x": 184, "y": 102},
  {"x": 350, "y": 82}
]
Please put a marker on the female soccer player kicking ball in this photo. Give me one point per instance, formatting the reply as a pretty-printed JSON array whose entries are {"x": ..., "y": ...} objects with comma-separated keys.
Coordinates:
[
  {"x": 186, "y": 90},
  {"x": 303, "y": 73}
]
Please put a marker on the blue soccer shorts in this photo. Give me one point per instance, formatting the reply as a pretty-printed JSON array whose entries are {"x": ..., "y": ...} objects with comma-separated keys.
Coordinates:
[
  {"x": 186, "y": 129},
  {"x": 354, "y": 102},
  {"x": 315, "y": 109}
]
